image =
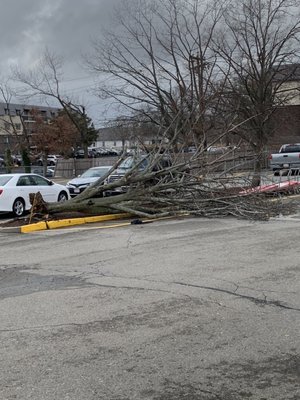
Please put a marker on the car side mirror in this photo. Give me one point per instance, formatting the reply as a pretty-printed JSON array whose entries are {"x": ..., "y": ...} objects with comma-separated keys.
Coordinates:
[{"x": 50, "y": 183}]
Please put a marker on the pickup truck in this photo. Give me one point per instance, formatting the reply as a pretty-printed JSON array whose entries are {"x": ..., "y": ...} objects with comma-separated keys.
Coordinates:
[{"x": 288, "y": 157}]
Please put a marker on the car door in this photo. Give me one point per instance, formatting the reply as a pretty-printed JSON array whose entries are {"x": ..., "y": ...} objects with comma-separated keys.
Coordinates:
[
  {"x": 44, "y": 186},
  {"x": 25, "y": 186}
]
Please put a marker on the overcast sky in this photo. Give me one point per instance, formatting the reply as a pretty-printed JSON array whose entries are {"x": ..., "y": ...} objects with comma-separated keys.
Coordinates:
[{"x": 66, "y": 27}]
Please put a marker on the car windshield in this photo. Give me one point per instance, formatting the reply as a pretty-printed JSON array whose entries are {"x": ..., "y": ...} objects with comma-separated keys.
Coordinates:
[
  {"x": 94, "y": 173},
  {"x": 4, "y": 179},
  {"x": 129, "y": 163}
]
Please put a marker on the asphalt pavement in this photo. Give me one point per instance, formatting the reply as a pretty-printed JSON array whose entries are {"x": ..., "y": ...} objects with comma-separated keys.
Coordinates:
[{"x": 177, "y": 309}]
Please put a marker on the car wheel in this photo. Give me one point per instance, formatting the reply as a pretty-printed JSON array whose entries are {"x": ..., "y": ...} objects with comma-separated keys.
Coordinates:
[
  {"x": 18, "y": 207},
  {"x": 62, "y": 197}
]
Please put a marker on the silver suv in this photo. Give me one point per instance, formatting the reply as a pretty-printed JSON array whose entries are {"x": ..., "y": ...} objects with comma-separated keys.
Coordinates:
[{"x": 141, "y": 163}]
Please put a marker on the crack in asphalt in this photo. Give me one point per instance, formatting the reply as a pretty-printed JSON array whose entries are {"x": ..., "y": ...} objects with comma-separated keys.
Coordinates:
[
  {"x": 255, "y": 300},
  {"x": 234, "y": 292},
  {"x": 276, "y": 303}
]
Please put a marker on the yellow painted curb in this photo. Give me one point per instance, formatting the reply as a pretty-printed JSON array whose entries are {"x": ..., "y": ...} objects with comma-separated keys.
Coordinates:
[
  {"x": 65, "y": 222},
  {"x": 39, "y": 226},
  {"x": 108, "y": 217}
]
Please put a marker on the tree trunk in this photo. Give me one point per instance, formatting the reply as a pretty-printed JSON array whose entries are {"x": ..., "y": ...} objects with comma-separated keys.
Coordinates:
[{"x": 45, "y": 162}]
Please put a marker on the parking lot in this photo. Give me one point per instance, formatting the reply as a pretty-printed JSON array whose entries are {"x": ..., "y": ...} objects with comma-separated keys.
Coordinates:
[{"x": 174, "y": 309}]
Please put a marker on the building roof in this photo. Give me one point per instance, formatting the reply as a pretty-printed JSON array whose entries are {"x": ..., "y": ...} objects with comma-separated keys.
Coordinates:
[
  {"x": 117, "y": 133},
  {"x": 287, "y": 72},
  {"x": 20, "y": 109}
]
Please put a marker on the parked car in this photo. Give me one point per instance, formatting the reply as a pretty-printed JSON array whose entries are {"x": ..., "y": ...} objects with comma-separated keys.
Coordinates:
[
  {"x": 39, "y": 171},
  {"x": 15, "y": 189},
  {"x": 77, "y": 185},
  {"x": 141, "y": 162},
  {"x": 51, "y": 160},
  {"x": 102, "y": 152},
  {"x": 16, "y": 159},
  {"x": 220, "y": 149},
  {"x": 79, "y": 153},
  {"x": 288, "y": 157},
  {"x": 50, "y": 172},
  {"x": 113, "y": 152}
]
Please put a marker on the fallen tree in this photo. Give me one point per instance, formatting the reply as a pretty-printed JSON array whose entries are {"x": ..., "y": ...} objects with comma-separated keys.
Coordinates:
[
  {"x": 193, "y": 184},
  {"x": 166, "y": 181}
]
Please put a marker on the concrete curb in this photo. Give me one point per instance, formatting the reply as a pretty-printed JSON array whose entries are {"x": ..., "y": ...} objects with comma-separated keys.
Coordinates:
[{"x": 45, "y": 225}]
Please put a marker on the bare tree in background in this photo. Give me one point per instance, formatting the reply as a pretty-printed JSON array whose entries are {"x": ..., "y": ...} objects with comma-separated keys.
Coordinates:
[
  {"x": 158, "y": 62},
  {"x": 47, "y": 138},
  {"x": 257, "y": 42},
  {"x": 45, "y": 82}
]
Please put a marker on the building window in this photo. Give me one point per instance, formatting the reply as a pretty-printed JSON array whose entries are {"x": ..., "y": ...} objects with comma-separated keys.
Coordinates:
[
  {"x": 6, "y": 111},
  {"x": 103, "y": 144},
  {"x": 7, "y": 126},
  {"x": 18, "y": 127},
  {"x": 115, "y": 143},
  {"x": 18, "y": 112}
]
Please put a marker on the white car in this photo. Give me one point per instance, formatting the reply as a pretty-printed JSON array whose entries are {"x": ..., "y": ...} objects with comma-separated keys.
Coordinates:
[
  {"x": 51, "y": 160},
  {"x": 15, "y": 189}
]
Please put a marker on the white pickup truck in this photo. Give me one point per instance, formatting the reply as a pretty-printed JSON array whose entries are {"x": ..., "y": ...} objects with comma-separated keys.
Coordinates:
[{"x": 288, "y": 157}]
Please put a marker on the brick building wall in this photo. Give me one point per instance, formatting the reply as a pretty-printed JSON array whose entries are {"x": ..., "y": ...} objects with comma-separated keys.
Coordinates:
[{"x": 286, "y": 125}]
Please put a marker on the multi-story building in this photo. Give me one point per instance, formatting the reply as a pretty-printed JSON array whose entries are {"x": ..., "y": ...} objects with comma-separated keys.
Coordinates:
[
  {"x": 16, "y": 120},
  {"x": 286, "y": 118}
]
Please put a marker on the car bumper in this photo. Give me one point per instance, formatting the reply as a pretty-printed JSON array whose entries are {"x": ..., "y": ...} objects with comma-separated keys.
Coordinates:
[{"x": 75, "y": 191}]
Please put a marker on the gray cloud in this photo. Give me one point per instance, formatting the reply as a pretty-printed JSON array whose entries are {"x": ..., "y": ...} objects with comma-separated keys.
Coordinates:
[{"x": 65, "y": 27}]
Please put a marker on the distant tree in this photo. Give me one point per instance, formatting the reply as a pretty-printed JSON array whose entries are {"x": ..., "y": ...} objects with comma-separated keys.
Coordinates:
[
  {"x": 66, "y": 133},
  {"x": 258, "y": 39},
  {"x": 8, "y": 160},
  {"x": 43, "y": 137},
  {"x": 161, "y": 64},
  {"x": 134, "y": 130},
  {"x": 86, "y": 131},
  {"x": 52, "y": 137},
  {"x": 45, "y": 81}
]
